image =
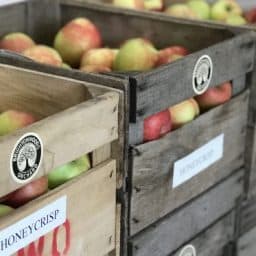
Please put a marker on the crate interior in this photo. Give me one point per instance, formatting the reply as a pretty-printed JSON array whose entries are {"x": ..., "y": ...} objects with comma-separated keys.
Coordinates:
[{"x": 115, "y": 26}]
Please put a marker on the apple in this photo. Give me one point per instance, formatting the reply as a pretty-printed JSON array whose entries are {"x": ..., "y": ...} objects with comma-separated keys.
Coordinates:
[
  {"x": 5, "y": 210},
  {"x": 27, "y": 193},
  {"x": 154, "y": 5},
  {"x": 181, "y": 11},
  {"x": 157, "y": 125},
  {"x": 171, "y": 54},
  {"x": 64, "y": 173},
  {"x": 201, "y": 8},
  {"x": 132, "y": 4},
  {"x": 66, "y": 66},
  {"x": 103, "y": 57},
  {"x": 250, "y": 16},
  {"x": 184, "y": 112},
  {"x": 16, "y": 42},
  {"x": 95, "y": 69},
  {"x": 236, "y": 20},
  {"x": 75, "y": 38},
  {"x": 215, "y": 96},
  {"x": 12, "y": 120},
  {"x": 221, "y": 9},
  {"x": 44, "y": 54},
  {"x": 136, "y": 54}
]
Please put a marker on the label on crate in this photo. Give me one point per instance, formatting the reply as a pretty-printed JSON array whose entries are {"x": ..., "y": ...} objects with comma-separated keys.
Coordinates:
[
  {"x": 202, "y": 74},
  {"x": 34, "y": 226},
  {"x": 188, "y": 250},
  {"x": 199, "y": 160},
  {"x": 26, "y": 157}
]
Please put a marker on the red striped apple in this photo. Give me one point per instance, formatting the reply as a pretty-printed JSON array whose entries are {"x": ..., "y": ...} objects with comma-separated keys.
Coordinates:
[
  {"x": 44, "y": 54},
  {"x": 27, "y": 193},
  {"x": 136, "y": 54},
  {"x": 75, "y": 38},
  {"x": 103, "y": 57},
  {"x": 157, "y": 125},
  {"x": 12, "y": 120},
  {"x": 16, "y": 42},
  {"x": 184, "y": 112},
  {"x": 215, "y": 96},
  {"x": 250, "y": 16},
  {"x": 132, "y": 4},
  {"x": 171, "y": 54},
  {"x": 154, "y": 5}
]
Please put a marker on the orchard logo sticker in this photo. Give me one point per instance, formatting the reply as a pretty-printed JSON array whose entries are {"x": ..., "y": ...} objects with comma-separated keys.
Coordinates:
[
  {"x": 202, "y": 74},
  {"x": 188, "y": 250},
  {"x": 26, "y": 157}
]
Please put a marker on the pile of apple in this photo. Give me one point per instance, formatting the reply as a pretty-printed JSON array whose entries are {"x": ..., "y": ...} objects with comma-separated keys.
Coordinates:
[
  {"x": 79, "y": 45},
  {"x": 227, "y": 11},
  {"x": 162, "y": 123},
  {"x": 12, "y": 120}
]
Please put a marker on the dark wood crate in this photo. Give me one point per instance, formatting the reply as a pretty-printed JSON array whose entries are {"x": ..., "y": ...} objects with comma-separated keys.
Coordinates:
[
  {"x": 149, "y": 92},
  {"x": 215, "y": 240},
  {"x": 246, "y": 242},
  {"x": 173, "y": 231}
]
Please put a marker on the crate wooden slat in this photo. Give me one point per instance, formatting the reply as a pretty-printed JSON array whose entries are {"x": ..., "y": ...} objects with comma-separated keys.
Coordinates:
[
  {"x": 153, "y": 196},
  {"x": 214, "y": 239},
  {"x": 96, "y": 212},
  {"x": 74, "y": 118},
  {"x": 174, "y": 230},
  {"x": 17, "y": 92}
]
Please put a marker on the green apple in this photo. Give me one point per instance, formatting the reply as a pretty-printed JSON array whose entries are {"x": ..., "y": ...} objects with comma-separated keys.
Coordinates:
[
  {"x": 68, "y": 171},
  {"x": 181, "y": 11},
  {"x": 236, "y": 20},
  {"x": 224, "y": 8},
  {"x": 4, "y": 210},
  {"x": 136, "y": 54},
  {"x": 201, "y": 8}
]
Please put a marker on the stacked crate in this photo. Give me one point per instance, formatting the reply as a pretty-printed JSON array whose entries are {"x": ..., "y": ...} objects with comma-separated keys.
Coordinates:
[{"x": 162, "y": 213}]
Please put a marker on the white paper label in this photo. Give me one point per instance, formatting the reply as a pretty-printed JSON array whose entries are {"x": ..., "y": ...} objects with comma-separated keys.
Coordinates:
[
  {"x": 198, "y": 161},
  {"x": 31, "y": 228}
]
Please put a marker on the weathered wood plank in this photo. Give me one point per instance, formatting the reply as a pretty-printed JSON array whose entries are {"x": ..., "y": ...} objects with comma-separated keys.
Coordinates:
[
  {"x": 43, "y": 20},
  {"x": 13, "y": 19},
  {"x": 213, "y": 240},
  {"x": 173, "y": 231},
  {"x": 152, "y": 195},
  {"x": 91, "y": 217},
  {"x": 247, "y": 244},
  {"x": 161, "y": 88}
]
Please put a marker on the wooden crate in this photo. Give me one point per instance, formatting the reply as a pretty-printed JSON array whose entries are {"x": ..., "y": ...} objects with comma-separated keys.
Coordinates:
[
  {"x": 149, "y": 92},
  {"x": 246, "y": 228},
  {"x": 75, "y": 118},
  {"x": 215, "y": 240},
  {"x": 173, "y": 231}
]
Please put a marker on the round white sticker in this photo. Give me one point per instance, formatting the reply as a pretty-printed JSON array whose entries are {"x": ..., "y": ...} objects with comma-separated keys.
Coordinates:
[
  {"x": 202, "y": 74},
  {"x": 188, "y": 250},
  {"x": 26, "y": 157}
]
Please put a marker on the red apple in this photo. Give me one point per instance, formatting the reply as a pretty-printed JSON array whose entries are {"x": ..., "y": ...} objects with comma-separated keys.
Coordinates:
[
  {"x": 12, "y": 120},
  {"x": 154, "y": 5},
  {"x": 171, "y": 54},
  {"x": 157, "y": 125},
  {"x": 184, "y": 112},
  {"x": 250, "y": 15},
  {"x": 95, "y": 69},
  {"x": 75, "y": 38},
  {"x": 16, "y": 42},
  {"x": 215, "y": 96},
  {"x": 27, "y": 193}
]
